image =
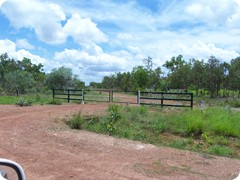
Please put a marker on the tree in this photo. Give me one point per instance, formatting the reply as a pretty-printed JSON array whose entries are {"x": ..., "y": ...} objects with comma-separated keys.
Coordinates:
[
  {"x": 225, "y": 68},
  {"x": 108, "y": 82},
  {"x": 140, "y": 78},
  {"x": 214, "y": 76},
  {"x": 6, "y": 65},
  {"x": 234, "y": 75},
  {"x": 179, "y": 74},
  {"x": 123, "y": 81},
  {"x": 20, "y": 80},
  {"x": 77, "y": 83},
  {"x": 197, "y": 75},
  {"x": 60, "y": 78},
  {"x": 148, "y": 63},
  {"x": 175, "y": 63},
  {"x": 155, "y": 78},
  {"x": 95, "y": 85}
]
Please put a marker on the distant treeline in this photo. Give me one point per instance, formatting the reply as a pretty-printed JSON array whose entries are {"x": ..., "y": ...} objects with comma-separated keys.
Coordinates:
[
  {"x": 205, "y": 77},
  {"x": 27, "y": 77}
]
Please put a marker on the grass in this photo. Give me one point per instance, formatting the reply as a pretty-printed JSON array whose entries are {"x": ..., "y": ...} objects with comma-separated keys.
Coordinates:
[
  {"x": 9, "y": 99},
  {"x": 214, "y": 131},
  {"x": 29, "y": 99}
]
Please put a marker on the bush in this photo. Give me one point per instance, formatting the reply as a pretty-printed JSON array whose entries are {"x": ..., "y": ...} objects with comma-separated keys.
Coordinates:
[
  {"x": 55, "y": 102},
  {"x": 76, "y": 122},
  {"x": 109, "y": 124},
  {"x": 23, "y": 102}
]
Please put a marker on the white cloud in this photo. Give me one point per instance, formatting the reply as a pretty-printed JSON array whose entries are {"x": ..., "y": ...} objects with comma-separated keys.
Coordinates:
[
  {"x": 90, "y": 67},
  {"x": 23, "y": 43},
  {"x": 9, "y": 47},
  {"x": 214, "y": 12},
  {"x": 99, "y": 62},
  {"x": 1, "y": 2},
  {"x": 44, "y": 18},
  {"x": 83, "y": 30},
  {"x": 127, "y": 36},
  {"x": 200, "y": 50}
]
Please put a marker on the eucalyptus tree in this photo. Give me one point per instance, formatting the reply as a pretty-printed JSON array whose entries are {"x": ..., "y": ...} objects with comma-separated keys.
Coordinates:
[
  {"x": 139, "y": 78},
  {"x": 19, "y": 80},
  {"x": 234, "y": 75},
  {"x": 197, "y": 75},
  {"x": 63, "y": 78},
  {"x": 108, "y": 82},
  {"x": 214, "y": 75},
  {"x": 179, "y": 72}
]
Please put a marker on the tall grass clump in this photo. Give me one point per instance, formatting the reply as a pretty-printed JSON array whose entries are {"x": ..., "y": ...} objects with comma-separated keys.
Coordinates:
[
  {"x": 76, "y": 121},
  {"x": 221, "y": 121}
]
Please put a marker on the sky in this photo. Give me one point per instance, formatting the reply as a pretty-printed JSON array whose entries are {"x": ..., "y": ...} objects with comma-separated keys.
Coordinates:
[{"x": 96, "y": 38}]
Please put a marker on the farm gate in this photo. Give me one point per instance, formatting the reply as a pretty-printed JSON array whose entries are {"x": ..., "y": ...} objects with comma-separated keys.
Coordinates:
[{"x": 134, "y": 97}]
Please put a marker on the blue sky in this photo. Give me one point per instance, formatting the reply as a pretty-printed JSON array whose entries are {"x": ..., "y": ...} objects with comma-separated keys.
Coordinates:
[{"x": 96, "y": 38}]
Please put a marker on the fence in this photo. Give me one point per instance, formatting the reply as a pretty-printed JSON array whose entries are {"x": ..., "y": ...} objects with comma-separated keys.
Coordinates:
[
  {"x": 82, "y": 95},
  {"x": 167, "y": 99},
  {"x": 134, "y": 97}
]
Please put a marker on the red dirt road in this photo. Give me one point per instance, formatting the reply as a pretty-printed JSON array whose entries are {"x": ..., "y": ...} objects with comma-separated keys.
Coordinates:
[{"x": 47, "y": 149}]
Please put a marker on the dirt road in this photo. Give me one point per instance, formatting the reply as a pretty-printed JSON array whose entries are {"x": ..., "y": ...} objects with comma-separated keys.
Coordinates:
[{"x": 47, "y": 150}]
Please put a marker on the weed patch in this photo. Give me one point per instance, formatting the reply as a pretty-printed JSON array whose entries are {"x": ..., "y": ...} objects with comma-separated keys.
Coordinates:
[{"x": 215, "y": 131}]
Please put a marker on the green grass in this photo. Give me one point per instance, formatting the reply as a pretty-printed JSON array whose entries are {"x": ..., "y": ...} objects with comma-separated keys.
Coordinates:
[
  {"x": 8, "y": 99},
  {"x": 214, "y": 131},
  {"x": 34, "y": 99}
]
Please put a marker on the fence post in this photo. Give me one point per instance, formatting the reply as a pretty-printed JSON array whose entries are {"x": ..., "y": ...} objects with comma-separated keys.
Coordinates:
[
  {"x": 138, "y": 98},
  {"x": 191, "y": 100},
  {"x": 68, "y": 95},
  {"x": 112, "y": 95},
  {"x": 109, "y": 93},
  {"x": 82, "y": 96},
  {"x": 162, "y": 99},
  {"x": 53, "y": 90}
]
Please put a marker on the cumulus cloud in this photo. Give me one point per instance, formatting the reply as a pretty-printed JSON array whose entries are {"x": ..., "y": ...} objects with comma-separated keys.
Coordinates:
[
  {"x": 98, "y": 62},
  {"x": 200, "y": 50},
  {"x": 90, "y": 67},
  {"x": 44, "y": 18},
  {"x": 214, "y": 12},
  {"x": 23, "y": 43},
  {"x": 9, "y": 47},
  {"x": 83, "y": 30},
  {"x": 47, "y": 20}
]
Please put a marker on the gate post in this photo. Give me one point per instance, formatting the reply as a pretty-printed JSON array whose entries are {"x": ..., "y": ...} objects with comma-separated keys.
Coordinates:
[
  {"x": 138, "y": 98},
  {"x": 68, "y": 95},
  {"x": 82, "y": 96},
  {"x": 112, "y": 96},
  {"x": 162, "y": 99},
  {"x": 109, "y": 94},
  {"x": 191, "y": 100}
]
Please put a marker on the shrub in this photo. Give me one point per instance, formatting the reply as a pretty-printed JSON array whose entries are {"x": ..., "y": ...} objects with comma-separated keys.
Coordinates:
[
  {"x": 55, "y": 102},
  {"x": 76, "y": 122},
  {"x": 23, "y": 102},
  {"x": 114, "y": 115}
]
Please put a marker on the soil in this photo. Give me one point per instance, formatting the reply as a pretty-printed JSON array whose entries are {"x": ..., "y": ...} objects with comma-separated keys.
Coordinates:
[{"x": 47, "y": 149}]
